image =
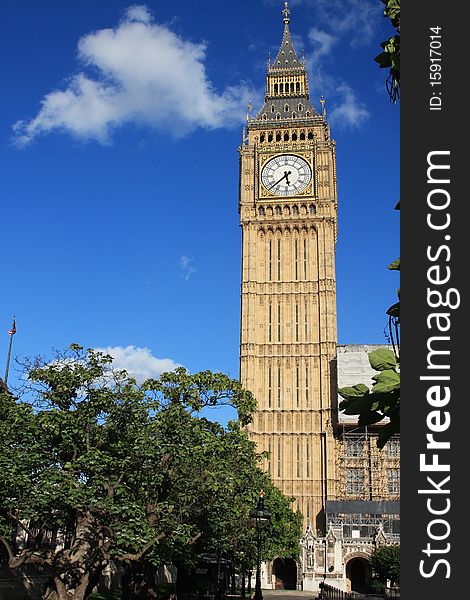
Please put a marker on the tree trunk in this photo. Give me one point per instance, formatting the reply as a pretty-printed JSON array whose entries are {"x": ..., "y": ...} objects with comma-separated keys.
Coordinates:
[
  {"x": 138, "y": 582},
  {"x": 76, "y": 570}
]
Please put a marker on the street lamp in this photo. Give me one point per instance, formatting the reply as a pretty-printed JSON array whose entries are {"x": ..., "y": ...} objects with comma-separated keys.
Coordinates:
[{"x": 260, "y": 518}]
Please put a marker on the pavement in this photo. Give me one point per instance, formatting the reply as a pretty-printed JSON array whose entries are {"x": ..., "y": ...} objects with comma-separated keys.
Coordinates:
[{"x": 289, "y": 595}]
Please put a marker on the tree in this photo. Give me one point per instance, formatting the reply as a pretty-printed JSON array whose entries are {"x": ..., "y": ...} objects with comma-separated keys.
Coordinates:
[
  {"x": 107, "y": 470},
  {"x": 389, "y": 58},
  {"x": 386, "y": 564}
]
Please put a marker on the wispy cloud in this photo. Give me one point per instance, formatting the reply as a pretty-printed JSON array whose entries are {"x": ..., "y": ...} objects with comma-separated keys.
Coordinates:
[
  {"x": 139, "y": 362},
  {"x": 143, "y": 73},
  {"x": 357, "y": 18},
  {"x": 187, "y": 267}
]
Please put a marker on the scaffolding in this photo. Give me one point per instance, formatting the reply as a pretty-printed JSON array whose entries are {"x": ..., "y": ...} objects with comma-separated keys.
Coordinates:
[{"x": 364, "y": 471}]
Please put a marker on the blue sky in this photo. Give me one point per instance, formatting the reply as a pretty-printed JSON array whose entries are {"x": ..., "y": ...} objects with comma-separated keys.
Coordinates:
[{"x": 120, "y": 124}]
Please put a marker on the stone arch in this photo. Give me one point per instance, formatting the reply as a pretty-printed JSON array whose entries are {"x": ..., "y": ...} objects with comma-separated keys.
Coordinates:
[
  {"x": 358, "y": 571},
  {"x": 285, "y": 574}
]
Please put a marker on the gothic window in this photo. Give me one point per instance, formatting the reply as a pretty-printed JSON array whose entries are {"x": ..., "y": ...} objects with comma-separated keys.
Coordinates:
[
  {"x": 300, "y": 108},
  {"x": 306, "y": 386},
  {"x": 278, "y": 135},
  {"x": 261, "y": 211},
  {"x": 297, "y": 86},
  {"x": 278, "y": 322},
  {"x": 269, "y": 457},
  {"x": 293, "y": 115},
  {"x": 312, "y": 210},
  {"x": 310, "y": 134},
  {"x": 270, "y": 323},
  {"x": 297, "y": 385},
  {"x": 355, "y": 481},
  {"x": 354, "y": 448},
  {"x": 261, "y": 137},
  {"x": 270, "y": 137},
  {"x": 270, "y": 271},
  {"x": 307, "y": 459},
  {"x": 292, "y": 87},
  {"x": 278, "y": 210},
  {"x": 279, "y": 259},
  {"x": 286, "y": 108},
  {"x": 392, "y": 448},
  {"x": 295, "y": 210},
  {"x": 278, "y": 116},
  {"x": 286, "y": 137},
  {"x": 307, "y": 114},
  {"x": 269, "y": 387},
  {"x": 302, "y": 136},
  {"x": 275, "y": 90},
  {"x": 296, "y": 252},
  {"x": 306, "y": 322},
  {"x": 298, "y": 458},
  {"x": 393, "y": 482},
  {"x": 294, "y": 135},
  {"x": 279, "y": 457},
  {"x": 305, "y": 258},
  {"x": 296, "y": 322},
  {"x": 279, "y": 387},
  {"x": 281, "y": 88},
  {"x": 273, "y": 108}
]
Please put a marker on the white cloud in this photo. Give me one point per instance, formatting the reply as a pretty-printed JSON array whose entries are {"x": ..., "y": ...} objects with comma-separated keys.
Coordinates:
[
  {"x": 187, "y": 267},
  {"x": 322, "y": 42},
  {"x": 348, "y": 110},
  {"x": 145, "y": 74},
  {"x": 139, "y": 362}
]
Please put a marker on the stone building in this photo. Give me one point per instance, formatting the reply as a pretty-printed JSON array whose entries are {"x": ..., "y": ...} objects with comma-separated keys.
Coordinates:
[{"x": 345, "y": 488}]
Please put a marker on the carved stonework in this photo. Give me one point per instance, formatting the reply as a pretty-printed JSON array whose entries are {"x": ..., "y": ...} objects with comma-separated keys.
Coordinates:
[{"x": 286, "y": 260}]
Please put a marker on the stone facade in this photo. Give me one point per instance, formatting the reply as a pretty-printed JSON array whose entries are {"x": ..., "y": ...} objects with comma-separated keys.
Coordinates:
[{"x": 289, "y": 357}]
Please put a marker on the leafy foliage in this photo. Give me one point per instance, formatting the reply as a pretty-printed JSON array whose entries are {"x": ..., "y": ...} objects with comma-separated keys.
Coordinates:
[
  {"x": 127, "y": 473},
  {"x": 389, "y": 58},
  {"x": 386, "y": 564},
  {"x": 379, "y": 402}
]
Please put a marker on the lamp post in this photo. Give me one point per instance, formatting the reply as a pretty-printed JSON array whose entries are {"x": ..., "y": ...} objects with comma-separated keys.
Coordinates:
[{"x": 260, "y": 518}]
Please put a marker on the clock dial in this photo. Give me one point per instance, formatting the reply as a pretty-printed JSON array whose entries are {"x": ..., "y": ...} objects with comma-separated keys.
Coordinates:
[{"x": 286, "y": 175}]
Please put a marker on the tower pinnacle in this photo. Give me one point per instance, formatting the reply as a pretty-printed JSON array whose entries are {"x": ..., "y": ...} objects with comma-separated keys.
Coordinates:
[{"x": 286, "y": 13}]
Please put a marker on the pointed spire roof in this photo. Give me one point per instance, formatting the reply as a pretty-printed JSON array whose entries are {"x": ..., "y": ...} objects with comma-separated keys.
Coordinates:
[{"x": 286, "y": 57}]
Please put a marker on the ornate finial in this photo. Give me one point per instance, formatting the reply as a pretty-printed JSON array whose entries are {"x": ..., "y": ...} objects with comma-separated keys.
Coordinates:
[
  {"x": 286, "y": 13},
  {"x": 249, "y": 108},
  {"x": 322, "y": 102},
  {"x": 269, "y": 59},
  {"x": 303, "y": 56}
]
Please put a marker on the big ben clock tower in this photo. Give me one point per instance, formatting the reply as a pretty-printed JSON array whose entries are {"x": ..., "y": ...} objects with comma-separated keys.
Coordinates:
[{"x": 288, "y": 214}]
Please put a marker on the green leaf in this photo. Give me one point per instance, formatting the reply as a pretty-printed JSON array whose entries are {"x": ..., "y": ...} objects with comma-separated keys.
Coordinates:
[
  {"x": 394, "y": 310},
  {"x": 386, "y": 381},
  {"x": 356, "y": 391},
  {"x": 369, "y": 418},
  {"x": 382, "y": 359}
]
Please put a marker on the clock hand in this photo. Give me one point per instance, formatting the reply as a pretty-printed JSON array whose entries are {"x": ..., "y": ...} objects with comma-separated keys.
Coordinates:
[{"x": 286, "y": 174}]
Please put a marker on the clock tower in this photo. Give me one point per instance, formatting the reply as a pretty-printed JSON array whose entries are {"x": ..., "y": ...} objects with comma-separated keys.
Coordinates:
[{"x": 288, "y": 215}]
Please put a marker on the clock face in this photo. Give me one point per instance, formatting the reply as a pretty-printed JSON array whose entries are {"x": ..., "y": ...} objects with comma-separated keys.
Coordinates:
[{"x": 286, "y": 175}]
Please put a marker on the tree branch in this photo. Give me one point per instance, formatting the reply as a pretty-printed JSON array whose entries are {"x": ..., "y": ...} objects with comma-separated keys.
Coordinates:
[{"x": 139, "y": 555}]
